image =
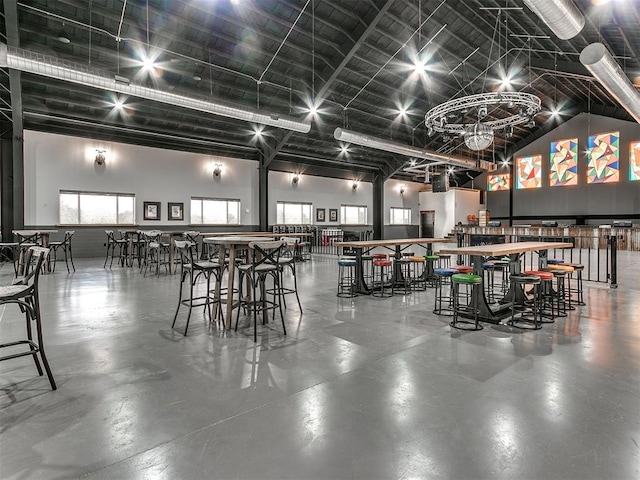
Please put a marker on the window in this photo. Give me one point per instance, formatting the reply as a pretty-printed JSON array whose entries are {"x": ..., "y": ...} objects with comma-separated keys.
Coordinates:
[
  {"x": 353, "y": 215},
  {"x": 215, "y": 211},
  {"x": 94, "y": 208},
  {"x": 400, "y": 216},
  {"x": 289, "y": 213}
]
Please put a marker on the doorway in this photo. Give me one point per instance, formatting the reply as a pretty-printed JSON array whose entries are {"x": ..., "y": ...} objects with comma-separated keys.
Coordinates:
[{"x": 427, "y": 223}]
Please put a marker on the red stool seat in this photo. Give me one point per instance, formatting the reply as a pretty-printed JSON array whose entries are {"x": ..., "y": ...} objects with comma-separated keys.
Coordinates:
[
  {"x": 463, "y": 268},
  {"x": 540, "y": 273},
  {"x": 380, "y": 256},
  {"x": 382, "y": 263}
]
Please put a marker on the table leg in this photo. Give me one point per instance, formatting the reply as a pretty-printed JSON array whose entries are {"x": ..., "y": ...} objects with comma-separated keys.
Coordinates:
[
  {"x": 479, "y": 298},
  {"x": 361, "y": 286},
  {"x": 231, "y": 274},
  {"x": 398, "y": 278}
]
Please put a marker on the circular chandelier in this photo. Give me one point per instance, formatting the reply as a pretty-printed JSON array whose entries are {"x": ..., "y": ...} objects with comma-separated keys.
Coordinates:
[{"x": 520, "y": 108}]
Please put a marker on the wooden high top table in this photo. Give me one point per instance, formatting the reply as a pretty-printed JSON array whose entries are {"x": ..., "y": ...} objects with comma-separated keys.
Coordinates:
[
  {"x": 232, "y": 244},
  {"x": 514, "y": 251},
  {"x": 397, "y": 245}
]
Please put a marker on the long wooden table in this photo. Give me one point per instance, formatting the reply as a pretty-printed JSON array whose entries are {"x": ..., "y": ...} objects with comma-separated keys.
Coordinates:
[
  {"x": 514, "y": 251},
  {"x": 232, "y": 244},
  {"x": 397, "y": 246}
]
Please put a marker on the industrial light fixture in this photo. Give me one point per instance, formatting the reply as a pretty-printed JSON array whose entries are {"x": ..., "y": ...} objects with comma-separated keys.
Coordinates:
[
  {"x": 561, "y": 16},
  {"x": 479, "y": 135},
  {"x": 217, "y": 170},
  {"x": 403, "y": 188},
  {"x": 354, "y": 185},
  {"x": 387, "y": 146},
  {"x": 597, "y": 59},
  {"x": 100, "y": 157},
  {"x": 63, "y": 36},
  {"x": 51, "y": 67},
  {"x": 295, "y": 179}
]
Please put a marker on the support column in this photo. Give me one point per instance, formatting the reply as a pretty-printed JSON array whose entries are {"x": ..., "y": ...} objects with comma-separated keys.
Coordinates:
[
  {"x": 263, "y": 194},
  {"x": 378, "y": 206}
]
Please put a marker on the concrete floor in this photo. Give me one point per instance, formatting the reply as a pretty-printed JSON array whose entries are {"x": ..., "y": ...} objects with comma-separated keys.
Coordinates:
[{"x": 364, "y": 388}]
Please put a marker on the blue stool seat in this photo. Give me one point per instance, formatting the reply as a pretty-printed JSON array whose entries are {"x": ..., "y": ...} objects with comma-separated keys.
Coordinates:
[
  {"x": 445, "y": 272},
  {"x": 554, "y": 261},
  {"x": 347, "y": 263}
]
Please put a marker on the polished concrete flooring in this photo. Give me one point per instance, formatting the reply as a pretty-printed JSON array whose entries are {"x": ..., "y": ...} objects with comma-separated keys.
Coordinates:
[{"x": 360, "y": 388}]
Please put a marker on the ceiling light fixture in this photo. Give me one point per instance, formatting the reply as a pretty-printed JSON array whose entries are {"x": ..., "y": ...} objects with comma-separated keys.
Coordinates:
[
  {"x": 597, "y": 59},
  {"x": 403, "y": 188},
  {"x": 480, "y": 135},
  {"x": 295, "y": 179},
  {"x": 561, "y": 16},
  {"x": 354, "y": 185},
  {"x": 63, "y": 36},
  {"x": 47, "y": 66},
  {"x": 217, "y": 170},
  {"x": 387, "y": 146}
]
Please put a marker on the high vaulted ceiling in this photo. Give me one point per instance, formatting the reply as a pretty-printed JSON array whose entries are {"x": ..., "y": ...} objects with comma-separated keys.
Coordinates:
[{"x": 354, "y": 59}]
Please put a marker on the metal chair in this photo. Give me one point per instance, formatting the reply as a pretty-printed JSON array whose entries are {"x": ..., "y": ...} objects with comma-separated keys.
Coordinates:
[
  {"x": 114, "y": 244},
  {"x": 24, "y": 293},
  {"x": 191, "y": 270},
  {"x": 65, "y": 246},
  {"x": 264, "y": 264}
]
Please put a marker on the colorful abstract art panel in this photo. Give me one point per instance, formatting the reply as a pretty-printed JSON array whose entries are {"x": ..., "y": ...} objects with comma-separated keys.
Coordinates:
[
  {"x": 634, "y": 161},
  {"x": 603, "y": 158},
  {"x": 497, "y": 182},
  {"x": 563, "y": 161},
  {"x": 529, "y": 172}
]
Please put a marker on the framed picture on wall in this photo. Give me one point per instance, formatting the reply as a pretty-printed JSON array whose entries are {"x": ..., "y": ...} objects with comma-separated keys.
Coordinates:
[
  {"x": 175, "y": 211},
  {"x": 333, "y": 214},
  {"x": 320, "y": 215},
  {"x": 151, "y": 210}
]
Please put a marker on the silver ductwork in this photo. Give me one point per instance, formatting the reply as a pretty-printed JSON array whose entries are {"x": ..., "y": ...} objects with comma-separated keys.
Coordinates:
[
  {"x": 47, "y": 66},
  {"x": 561, "y": 16},
  {"x": 597, "y": 59},
  {"x": 387, "y": 146}
]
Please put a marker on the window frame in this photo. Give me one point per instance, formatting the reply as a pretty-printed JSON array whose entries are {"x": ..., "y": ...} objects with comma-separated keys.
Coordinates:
[
  {"x": 403, "y": 209},
  {"x": 214, "y": 199},
  {"x": 79, "y": 193},
  {"x": 286, "y": 202},
  {"x": 343, "y": 214}
]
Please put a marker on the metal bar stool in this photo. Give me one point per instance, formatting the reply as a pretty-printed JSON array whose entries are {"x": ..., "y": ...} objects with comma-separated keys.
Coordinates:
[
  {"x": 465, "y": 308},
  {"x": 444, "y": 261},
  {"x": 546, "y": 295},
  {"x": 418, "y": 279},
  {"x": 405, "y": 268},
  {"x": 526, "y": 321},
  {"x": 578, "y": 269},
  {"x": 431, "y": 262},
  {"x": 443, "y": 277},
  {"x": 367, "y": 269},
  {"x": 566, "y": 286},
  {"x": 346, "y": 277},
  {"x": 382, "y": 278}
]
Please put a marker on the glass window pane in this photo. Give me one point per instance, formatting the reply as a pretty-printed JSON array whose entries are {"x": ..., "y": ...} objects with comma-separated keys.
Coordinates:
[
  {"x": 234, "y": 213},
  {"x": 280, "y": 213},
  {"x": 126, "y": 210},
  {"x": 98, "y": 209},
  {"x": 69, "y": 214},
  {"x": 196, "y": 211},
  {"x": 214, "y": 211}
]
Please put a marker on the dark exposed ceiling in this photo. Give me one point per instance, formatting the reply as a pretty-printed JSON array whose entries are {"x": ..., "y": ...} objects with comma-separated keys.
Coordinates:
[{"x": 353, "y": 57}]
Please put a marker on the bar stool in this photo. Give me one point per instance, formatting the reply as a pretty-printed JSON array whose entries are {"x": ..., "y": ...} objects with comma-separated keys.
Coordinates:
[
  {"x": 431, "y": 262},
  {"x": 405, "y": 269},
  {"x": 367, "y": 269},
  {"x": 578, "y": 269},
  {"x": 488, "y": 271},
  {"x": 502, "y": 265},
  {"x": 418, "y": 280},
  {"x": 444, "y": 261},
  {"x": 469, "y": 280},
  {"x": 565, "y": 287},
  {"x": 382, "y": 278},
  {"x": 346, "y": 277},
  {"x": 546, "y": 294},
  {"x": 525, "y": 322},
  {"x": 443, "y": 277}
]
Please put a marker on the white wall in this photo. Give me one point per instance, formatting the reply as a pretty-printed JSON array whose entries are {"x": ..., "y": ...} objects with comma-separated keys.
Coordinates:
[
  {"x": 59, "y": 162},
  {"x": 410, "y": 199},
  {"x": 321, "y": 192},
  {"x": 450, "y": 208}
]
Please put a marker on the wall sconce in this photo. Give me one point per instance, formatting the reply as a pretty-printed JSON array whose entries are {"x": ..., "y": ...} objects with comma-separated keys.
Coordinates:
[
  {"x": 217, "y": 171},
  {"x": 100, "y": 157},
  {"x": 354, "y": 185},
  {"x": 295, "y": 179},
  {"x": 403, "y": 188}
]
